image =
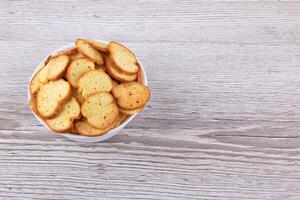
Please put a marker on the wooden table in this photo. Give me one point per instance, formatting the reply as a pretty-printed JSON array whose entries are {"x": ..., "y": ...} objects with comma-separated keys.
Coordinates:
[{"x": 224, "y": 116}]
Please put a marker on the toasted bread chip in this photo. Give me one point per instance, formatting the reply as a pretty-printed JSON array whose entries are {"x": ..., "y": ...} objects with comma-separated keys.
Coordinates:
[
  {"x": 100, "y": 110},
  {"x": 76, "y": 56},
  {"x": 90, "y": 52},
  {"x": 64, "y": 120},
  {"x": 38, "y": 80},
  {"x": 57, "y": 67},
  {"x": 86, "y": 129},
  {"x": 94, "y": 81},
  {"x": 98, "y": 45},
  {"x": 51, "y": 96},
  {"x": 77, "y": 68},
  {"x": 124, "y": 60},
  {"x": 131, "y": 95},
  {"x": 115, "y": 73},
  {"x": 53, "y": 70}
]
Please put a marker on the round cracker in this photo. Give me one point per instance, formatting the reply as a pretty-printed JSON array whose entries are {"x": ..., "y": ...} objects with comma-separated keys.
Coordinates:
[
  {"x": 131, "y": 95},
  {"x": 100, "y": 110},
  {"x": 116, "y": 74},
  {"x": 90, "y": 52}
]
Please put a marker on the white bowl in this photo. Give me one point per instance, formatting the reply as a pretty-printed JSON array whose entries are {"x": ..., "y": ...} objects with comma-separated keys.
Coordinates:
[{"x": 142, "y": 78}]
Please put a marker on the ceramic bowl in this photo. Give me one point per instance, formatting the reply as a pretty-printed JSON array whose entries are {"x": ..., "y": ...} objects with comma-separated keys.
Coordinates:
[{"x": 142, "y": 78}]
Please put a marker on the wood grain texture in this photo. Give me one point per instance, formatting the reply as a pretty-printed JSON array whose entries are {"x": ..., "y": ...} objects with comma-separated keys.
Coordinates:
[{"x": 224, "y": 117}]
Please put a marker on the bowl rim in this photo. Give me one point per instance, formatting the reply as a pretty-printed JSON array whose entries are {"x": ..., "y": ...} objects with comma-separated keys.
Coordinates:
[{"x": 82, "y": 138}]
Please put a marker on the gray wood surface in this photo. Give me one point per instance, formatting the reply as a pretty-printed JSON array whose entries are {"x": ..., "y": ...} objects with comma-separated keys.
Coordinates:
[{"x": 224, "y": 117}]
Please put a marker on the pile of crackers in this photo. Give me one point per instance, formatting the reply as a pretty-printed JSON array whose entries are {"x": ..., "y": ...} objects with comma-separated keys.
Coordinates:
[{"x": 88, "y": 89}]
